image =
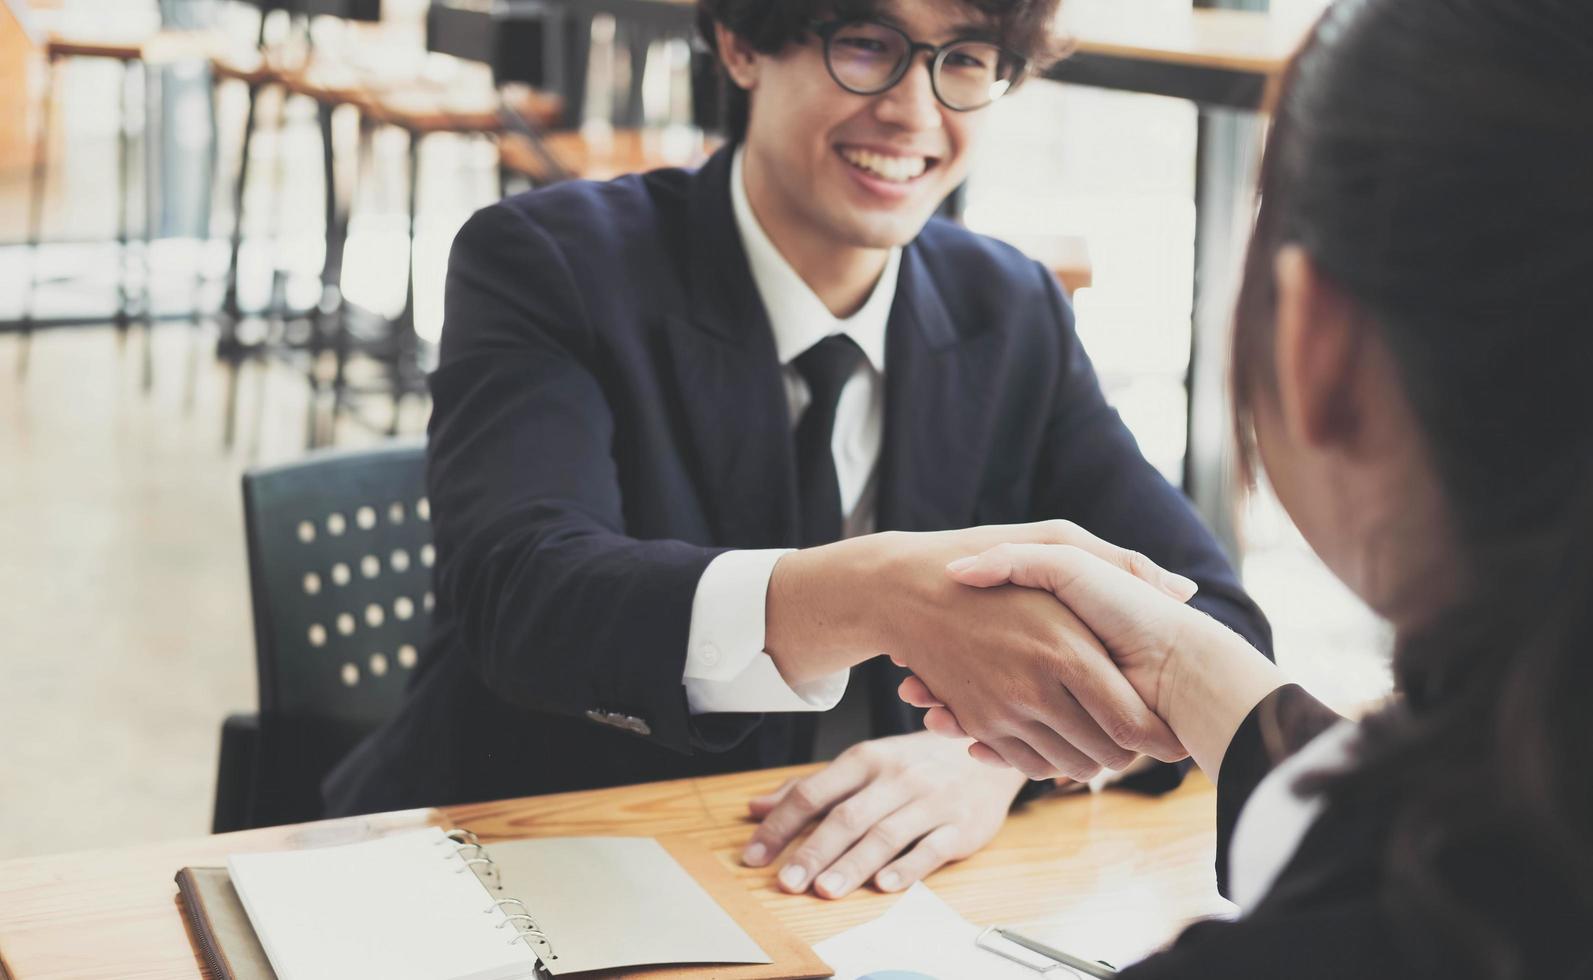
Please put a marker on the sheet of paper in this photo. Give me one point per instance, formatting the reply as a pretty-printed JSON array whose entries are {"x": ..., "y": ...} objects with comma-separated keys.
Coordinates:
[
  {"x": 607, "y": 902},
  {"x": 920, "y": 938}
]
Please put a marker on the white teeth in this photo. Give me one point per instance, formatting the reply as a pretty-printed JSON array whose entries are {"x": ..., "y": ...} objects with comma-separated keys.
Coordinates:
[{"x": 898, "y": 169}]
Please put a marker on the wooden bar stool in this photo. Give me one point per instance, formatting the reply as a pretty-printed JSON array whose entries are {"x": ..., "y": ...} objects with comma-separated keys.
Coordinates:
[
  {"x": 255, "y": 71},
  {"x": 289, "y": 333},
  {"x": 422, "y": 109},
  {"x": 335, "y": 85},
  {"x": 287, "y": 63},
  {"x": 134, "y": 53},
  {"x": 259, "y": 70}
]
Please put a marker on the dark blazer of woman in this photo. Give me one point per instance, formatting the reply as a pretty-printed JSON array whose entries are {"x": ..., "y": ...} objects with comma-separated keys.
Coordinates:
[{"x": 1322, "y": 865}]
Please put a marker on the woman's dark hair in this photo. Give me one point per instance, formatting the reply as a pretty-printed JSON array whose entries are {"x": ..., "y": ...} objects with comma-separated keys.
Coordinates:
[
  {"x": 1435, "y": 160},
  {"x": 1023, "y": 27}
]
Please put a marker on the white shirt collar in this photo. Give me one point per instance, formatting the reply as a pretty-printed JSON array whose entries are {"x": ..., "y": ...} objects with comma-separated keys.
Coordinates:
[{"x": 797, "y": 316}]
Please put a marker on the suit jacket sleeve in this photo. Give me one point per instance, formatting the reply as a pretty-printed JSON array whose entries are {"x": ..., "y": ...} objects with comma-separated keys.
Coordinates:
[
  {"x": 1280, "y": 725},
  {"x": 1345, "y": 933},
  {"x": 559, "y": 609},
  {"x": 1092, "y": 473}
]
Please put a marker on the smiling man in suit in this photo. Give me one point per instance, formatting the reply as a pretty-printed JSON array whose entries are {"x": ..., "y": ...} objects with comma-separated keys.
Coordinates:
[{"x": 681, "y": 418}]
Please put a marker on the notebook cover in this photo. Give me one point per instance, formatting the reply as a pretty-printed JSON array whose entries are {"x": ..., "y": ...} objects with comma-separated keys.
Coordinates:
[{"x": 222, "y": 933}]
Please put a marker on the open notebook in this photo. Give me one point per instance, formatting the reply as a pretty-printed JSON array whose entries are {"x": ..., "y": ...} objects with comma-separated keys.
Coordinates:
[{"x": 433, "y": 906}]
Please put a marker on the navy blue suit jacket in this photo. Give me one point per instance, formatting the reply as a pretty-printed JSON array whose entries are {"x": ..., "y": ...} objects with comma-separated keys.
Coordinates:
[{"x": 609, "y": 416}]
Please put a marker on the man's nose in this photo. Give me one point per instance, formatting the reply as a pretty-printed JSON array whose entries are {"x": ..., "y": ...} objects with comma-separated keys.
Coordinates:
[{"x": 911, "y": 103}]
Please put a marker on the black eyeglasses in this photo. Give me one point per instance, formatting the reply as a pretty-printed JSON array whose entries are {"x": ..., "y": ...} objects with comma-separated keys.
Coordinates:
[{"x": 866, "y": 57}]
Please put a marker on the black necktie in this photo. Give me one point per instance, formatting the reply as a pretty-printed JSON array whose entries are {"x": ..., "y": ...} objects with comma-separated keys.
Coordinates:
[{"x": 826, "y": 367}]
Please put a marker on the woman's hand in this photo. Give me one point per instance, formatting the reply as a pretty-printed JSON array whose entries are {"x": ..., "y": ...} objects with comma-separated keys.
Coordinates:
[{"x": 1139, "y": 625}]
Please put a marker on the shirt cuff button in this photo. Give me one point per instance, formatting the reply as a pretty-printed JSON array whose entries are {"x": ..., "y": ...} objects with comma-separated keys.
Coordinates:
[{"x": 709, "y": 655}]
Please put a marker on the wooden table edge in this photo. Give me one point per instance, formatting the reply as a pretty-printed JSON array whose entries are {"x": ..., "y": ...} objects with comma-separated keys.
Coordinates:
[{"x": 1088, "y": 858}]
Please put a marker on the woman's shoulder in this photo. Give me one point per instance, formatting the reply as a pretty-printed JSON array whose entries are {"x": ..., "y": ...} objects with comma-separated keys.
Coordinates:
[{"x": 1335, "y": 911}]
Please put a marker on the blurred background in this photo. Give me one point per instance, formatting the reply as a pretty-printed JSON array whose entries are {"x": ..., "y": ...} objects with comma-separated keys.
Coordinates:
[{"x": 176, "y": 309}]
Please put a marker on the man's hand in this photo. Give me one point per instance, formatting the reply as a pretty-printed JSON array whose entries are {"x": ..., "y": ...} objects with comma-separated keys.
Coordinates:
[
  {"x": 1023, "y": 675},
  {"x": 891, "y": 809}
]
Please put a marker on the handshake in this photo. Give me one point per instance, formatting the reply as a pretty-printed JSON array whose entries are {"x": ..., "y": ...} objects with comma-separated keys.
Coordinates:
[{"x": 1055, "y": 651}]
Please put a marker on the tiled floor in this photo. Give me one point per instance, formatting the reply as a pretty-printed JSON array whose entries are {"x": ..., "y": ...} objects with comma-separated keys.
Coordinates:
[{"x": 125, "y": 635}]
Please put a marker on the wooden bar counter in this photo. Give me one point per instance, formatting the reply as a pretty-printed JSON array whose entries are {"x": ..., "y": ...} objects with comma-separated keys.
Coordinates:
[{"x": 1112, "y": 875}]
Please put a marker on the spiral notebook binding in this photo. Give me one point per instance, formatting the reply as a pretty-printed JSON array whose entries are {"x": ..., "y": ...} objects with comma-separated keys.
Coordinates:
[{"x": 480, "y": 861}]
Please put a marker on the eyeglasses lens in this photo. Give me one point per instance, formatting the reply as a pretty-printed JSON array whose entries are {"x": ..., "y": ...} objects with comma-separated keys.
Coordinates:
[
  {"x": 868, "y": 58},
  {"x": 973, "y": 74}
]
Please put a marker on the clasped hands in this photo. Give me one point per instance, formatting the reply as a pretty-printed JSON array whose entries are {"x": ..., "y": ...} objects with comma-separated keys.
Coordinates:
[
  {"x": 1031, "y": 642},
  {"x": 1116, "y": 665},
  {"x": 1021, "y": 660}
]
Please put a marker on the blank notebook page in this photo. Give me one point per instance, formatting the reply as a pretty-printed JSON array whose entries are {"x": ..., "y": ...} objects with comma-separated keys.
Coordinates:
[
  {"x": 404, "y": 907},
  {"x": 608, "y": 902}
]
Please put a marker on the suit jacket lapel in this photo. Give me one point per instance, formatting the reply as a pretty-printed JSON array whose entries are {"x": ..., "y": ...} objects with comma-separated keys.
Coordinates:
[
  {"x": 937, "y": 413},
  {"x": 729, "y": 379},
  {"x": 937, "y": 434}
]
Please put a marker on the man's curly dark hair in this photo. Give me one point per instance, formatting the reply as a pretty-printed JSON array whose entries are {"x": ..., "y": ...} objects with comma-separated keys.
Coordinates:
[{"x": 1022, "y": 26}]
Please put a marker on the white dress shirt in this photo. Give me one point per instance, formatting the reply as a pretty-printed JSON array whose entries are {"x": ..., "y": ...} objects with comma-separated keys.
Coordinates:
[{"x": 726, "y": 668}]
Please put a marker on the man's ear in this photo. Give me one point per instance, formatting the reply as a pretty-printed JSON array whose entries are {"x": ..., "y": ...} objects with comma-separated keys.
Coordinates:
[
  {"x": 738, "y": 57},
  {"x": 1320, "y": 348}
]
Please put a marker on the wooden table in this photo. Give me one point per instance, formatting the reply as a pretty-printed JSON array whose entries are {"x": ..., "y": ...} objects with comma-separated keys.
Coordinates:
[
  {"x": 1112, "y": 875},
  {"x": 1226, "y": 58}
]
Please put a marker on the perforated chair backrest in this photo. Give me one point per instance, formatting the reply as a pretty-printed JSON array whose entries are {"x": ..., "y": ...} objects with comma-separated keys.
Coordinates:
[{"x": 340, "y": 560}]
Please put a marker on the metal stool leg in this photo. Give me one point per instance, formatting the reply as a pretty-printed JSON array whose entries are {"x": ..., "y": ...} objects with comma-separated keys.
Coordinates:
[
  {"x": 638, "y": 44},
  {"x": 123, "y": 164},
  {"x": 330, "y": 320},
  {"x": 202, "y": 246},
  {"x": 231, "y": 312},
  {"x": 148, "y": 85},
  {"x": 208, "y": 202},
  {"x": 277, "y": 304},
  {"x": 405, "y": 341},
  {"x": 37, "y": 182},
  {"x": 278, "y": 185},
  {"x": 364, "y": 158},
  {"x": 229, "y": 302}
]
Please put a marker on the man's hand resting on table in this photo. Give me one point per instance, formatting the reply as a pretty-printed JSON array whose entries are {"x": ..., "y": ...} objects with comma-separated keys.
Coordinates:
[{"x": 891, "y": 809}]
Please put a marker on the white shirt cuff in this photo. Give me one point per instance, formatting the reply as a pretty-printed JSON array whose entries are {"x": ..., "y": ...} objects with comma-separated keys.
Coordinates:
[{"x": 726, "y": 668}]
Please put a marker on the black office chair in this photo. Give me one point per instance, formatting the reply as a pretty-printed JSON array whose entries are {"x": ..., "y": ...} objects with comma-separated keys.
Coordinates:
[{"x": 340, "y": 558}]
